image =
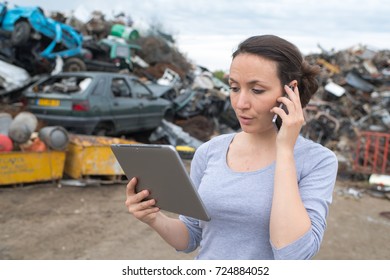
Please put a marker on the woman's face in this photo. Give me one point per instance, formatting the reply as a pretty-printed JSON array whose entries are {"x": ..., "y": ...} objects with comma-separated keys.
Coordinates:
[{"x": 254, "y": 88}]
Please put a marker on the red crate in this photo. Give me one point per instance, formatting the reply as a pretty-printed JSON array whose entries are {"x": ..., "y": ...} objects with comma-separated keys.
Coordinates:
[{"x": 372, "y": 153}]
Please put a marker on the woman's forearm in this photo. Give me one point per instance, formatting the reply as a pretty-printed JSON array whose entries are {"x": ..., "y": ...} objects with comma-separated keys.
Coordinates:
[
  {"x": 289, "y": 219},
  {"x": 172, "y": 230}
]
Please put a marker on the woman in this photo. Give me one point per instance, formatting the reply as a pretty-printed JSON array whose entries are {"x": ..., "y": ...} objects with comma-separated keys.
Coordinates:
[{"x": 267, "y": 191}]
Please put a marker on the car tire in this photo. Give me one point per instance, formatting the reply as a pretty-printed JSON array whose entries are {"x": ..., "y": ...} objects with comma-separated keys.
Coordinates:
[
  {"x": 21, "y": 33},
  {"x": 74, "y": 64},
  {"x": 103, "y": 129}
]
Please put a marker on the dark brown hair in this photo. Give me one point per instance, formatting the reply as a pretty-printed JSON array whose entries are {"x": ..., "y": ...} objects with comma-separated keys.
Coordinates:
[{"x": 289, "y": 62}]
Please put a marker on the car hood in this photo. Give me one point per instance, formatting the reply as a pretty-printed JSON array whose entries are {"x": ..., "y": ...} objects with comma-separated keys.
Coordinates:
[{"x": 159, "y": 90}]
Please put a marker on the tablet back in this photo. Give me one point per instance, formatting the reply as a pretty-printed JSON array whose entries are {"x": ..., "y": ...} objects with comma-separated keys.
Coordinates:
[{"x": 160, "y": 169}]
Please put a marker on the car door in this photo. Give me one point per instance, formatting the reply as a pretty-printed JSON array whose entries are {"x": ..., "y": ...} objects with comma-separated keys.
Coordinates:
[
  {"x": 152, "y": 108},
  {"x": 124, "y": 107}
]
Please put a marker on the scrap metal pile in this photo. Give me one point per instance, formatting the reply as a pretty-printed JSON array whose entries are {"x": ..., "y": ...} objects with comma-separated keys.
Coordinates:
[
  {"x": 354, "y": 93},
  {"x": 354, "y": 97}
]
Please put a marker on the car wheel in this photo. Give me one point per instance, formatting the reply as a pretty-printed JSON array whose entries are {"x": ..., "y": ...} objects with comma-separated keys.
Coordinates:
[
  {"x": 74, "y": 64},
  {"x": 171, "y": 95},
  {"x": 21, "y": 33},
  {"x": 103, "y": 129}
]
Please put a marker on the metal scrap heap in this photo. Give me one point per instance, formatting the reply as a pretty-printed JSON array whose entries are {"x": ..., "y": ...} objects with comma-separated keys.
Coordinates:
[{"x": 350, "y": 112}]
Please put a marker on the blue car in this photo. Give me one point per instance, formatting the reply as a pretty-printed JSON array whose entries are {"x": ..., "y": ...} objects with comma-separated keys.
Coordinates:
[{"x": 29, "y": 27}]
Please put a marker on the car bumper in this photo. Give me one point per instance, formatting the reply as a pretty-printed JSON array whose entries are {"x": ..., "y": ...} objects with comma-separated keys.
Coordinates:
[{"x": 72, "y": 124}]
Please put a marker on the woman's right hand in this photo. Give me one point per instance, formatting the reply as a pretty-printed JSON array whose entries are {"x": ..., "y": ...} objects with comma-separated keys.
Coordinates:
[{"x": 144, "y": 211}]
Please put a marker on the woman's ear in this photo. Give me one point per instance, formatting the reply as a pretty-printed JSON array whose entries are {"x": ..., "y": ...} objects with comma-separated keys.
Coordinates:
[{"x": 293, "y": 84}]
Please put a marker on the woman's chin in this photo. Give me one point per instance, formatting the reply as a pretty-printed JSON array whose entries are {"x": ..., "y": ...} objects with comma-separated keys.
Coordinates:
[{"x": 256, "y": 130}]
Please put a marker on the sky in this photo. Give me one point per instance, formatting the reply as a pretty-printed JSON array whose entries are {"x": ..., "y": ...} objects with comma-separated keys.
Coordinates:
[{"x": 208, "y": 31}]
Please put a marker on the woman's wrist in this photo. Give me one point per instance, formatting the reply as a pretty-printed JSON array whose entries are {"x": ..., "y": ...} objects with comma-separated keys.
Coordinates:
[
  {"x": 284, "y": 151},
  {"x": 154, "y": 223}
]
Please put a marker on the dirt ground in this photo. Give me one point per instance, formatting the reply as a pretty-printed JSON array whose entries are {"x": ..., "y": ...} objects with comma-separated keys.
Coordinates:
[{"x": 45, "y": 222}]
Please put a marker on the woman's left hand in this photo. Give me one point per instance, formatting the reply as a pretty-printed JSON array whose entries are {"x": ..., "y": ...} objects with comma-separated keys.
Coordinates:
[{"x": 291, "y": 122}]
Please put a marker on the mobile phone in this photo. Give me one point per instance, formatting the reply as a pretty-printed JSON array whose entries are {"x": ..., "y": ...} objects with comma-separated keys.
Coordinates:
[{"x": 276, "y": 120}]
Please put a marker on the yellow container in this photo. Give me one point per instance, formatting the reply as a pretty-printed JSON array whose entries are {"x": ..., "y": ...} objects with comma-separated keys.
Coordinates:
[
  {"x": 92, "y": 156},
  {"x": 28, "y": 167}
]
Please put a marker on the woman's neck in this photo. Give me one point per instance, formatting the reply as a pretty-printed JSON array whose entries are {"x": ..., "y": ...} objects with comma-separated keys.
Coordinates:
[
  {"x": 265, "y": 139},
  {"x": 249, "y": 152}
]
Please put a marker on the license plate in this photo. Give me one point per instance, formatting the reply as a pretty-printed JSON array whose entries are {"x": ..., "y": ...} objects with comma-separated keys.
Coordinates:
[{"x": 49, "y": 102}]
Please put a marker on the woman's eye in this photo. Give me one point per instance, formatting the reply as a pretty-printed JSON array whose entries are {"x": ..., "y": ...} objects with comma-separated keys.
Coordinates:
[
  {"x": 234, "y": 89},
  {"x": 258, "y": 91}
]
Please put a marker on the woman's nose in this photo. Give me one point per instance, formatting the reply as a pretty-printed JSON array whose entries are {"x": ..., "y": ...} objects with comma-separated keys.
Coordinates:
[{"x": 243, "y": 101}]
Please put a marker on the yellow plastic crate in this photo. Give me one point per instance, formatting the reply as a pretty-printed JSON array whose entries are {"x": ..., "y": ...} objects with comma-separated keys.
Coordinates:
[
  {"x": 28, "y": 167},
  {"x": 92, "y": 156}
]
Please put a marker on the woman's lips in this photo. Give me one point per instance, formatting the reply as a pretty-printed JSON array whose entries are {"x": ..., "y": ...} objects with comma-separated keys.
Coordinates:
[{"x": 245, "y": 119}]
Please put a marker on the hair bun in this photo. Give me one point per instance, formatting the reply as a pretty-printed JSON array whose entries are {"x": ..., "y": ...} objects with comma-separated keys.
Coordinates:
[{"x": 309, "y": 82}]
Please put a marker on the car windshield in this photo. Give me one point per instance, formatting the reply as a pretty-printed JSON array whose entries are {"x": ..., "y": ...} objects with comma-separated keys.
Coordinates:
[{"x": 63, "y": 85}]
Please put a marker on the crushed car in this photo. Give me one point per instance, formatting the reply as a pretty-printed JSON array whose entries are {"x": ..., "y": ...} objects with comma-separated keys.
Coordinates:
[
  {"x": 30, "y": 23},
  {"x": 108, "y": 55},
  {"x": 98, "y": 103},
  {"x": 26, "y": 30}
]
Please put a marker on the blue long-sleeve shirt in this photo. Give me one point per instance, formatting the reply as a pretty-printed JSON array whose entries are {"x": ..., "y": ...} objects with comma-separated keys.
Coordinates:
[{"x": 239, "y": 203}]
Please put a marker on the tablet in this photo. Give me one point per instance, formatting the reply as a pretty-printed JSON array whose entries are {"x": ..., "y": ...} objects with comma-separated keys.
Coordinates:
[{"x": 160, "y": 169}]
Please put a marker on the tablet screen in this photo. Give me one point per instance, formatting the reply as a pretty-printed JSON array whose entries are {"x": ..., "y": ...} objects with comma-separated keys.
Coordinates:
[{"x": 160, "y": 169}]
